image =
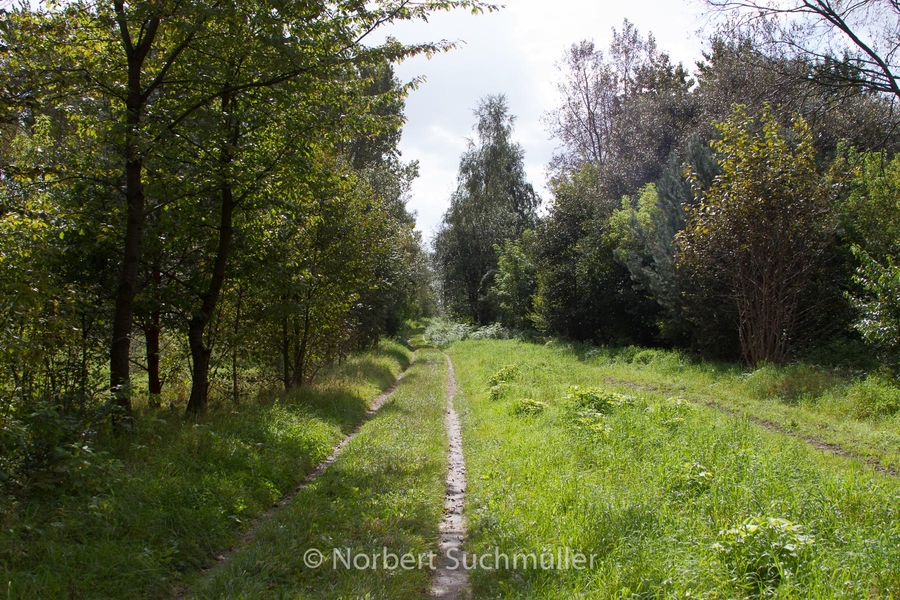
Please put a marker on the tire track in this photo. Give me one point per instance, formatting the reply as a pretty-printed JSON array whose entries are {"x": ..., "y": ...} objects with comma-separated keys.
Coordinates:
[
  {"x": 450, "y": 579},
  {"x": 223, "y": 558}
]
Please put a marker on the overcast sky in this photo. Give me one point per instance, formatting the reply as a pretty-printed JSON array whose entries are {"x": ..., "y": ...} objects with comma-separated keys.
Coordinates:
[{"x": 513, "y": 52}]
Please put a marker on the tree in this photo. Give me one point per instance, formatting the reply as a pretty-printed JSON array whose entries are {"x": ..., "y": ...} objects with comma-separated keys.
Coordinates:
[
  {"x": 178, "y": 98},
  {"x": 643, "y": 233},
  {"x": 873, "y": 221},
  {"x": 761, "y": 231},
  {"x": 623, "y": 111},
  {"x": 853, "y": 43},
  {"x": 492, "y": 203},
  {"x": 515, "y": 283},
  {"x": 583, "y": 292}
]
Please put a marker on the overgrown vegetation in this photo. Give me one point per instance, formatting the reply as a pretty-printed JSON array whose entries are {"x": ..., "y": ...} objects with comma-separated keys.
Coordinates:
[
  {"x": 744, "y": 209},
  {"x": 131, "y": 517},
  {"x": 672, "y": 497}
]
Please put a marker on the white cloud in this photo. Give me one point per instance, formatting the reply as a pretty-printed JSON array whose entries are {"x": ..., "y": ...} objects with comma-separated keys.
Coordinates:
[{"x": 513, "y": 52}]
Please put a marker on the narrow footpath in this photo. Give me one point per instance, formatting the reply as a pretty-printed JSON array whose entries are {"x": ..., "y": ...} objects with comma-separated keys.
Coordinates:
[{"x": 451, "y": 580}]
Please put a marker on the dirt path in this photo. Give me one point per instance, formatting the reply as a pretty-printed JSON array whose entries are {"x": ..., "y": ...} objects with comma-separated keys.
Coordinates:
[
  {"x": 248, "y": 535},
  {"x": 451, "y": 580}
]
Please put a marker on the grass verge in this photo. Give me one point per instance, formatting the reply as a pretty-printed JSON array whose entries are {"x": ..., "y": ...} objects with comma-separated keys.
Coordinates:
[
  {"x": 383, "y": 497},
  {"x": 672, "y": 499},
  {"x": 152, "y": 508}
]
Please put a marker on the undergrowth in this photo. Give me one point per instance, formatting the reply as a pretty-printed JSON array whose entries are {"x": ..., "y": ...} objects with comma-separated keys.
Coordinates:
[{"x": 145, "y": 509}]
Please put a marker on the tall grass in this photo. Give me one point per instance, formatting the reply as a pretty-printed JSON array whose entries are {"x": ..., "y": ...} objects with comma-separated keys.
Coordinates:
[
  {"x": 384, "y": 494},
  {"x": 151, "y": 507},
  {"x": 675, "y": 499}
]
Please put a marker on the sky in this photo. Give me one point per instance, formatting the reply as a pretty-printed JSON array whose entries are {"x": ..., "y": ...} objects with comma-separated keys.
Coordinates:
[{"x": 514, "y": 52}]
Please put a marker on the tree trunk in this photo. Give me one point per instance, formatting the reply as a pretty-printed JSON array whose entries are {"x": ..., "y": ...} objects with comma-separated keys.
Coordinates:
[
  {"x": 209, "y": 299},
  {"x": 123, "y": 316},
  {"x": 235, "y": 395},
  {"x": 151, "y": 337},
  {"x": 285, "y": 353}
]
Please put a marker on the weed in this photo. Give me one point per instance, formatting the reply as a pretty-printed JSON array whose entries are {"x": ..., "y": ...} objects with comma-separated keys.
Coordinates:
[
  {"x": 528, "y": 407},
  {"x": 596, "y": 400},
  {"x": 670, "y": 412},
  {"x": 761, "y": 552},
  {"x": 496, "y": 391},
  {"x": 692, "y": 478},
  {"x": 506, "y": 374}
]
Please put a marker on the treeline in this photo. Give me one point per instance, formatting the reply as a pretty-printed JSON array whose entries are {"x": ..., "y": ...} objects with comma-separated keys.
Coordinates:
[
  {"x": 208, "y": 194},
  {"x": 747, "y": 210}
]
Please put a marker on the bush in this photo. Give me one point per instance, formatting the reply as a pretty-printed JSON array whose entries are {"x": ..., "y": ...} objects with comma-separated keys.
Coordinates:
[
  {"x": 876, "y": 396},
  {"x": 49, "y": 444},
  {"x": 506, "y": 374},
  {"x": 491, "y": 332},
  {"x": 792, "y": 382},
  {"x": 597, "y": 400},
  {"x": 443, "y": 333}
]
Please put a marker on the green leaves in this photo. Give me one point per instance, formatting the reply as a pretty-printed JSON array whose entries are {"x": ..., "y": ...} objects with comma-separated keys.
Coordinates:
[{"x": 760, "y": 234}]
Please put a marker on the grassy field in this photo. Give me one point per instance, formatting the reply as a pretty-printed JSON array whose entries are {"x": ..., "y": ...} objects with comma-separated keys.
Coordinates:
[
  {"x": 674, "y": 499},
  {"x": 382, "y": 497},
  {"x": 858, "y": 414},
  {"x": 145, "y": 511}
]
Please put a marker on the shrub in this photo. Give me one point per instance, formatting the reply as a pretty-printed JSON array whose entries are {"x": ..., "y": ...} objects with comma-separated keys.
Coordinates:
[
  {"x": 443, "y": 333},
  {"x": 506, "y": 374},
  {"x": 597, "y": 400},
  {"x": 762, "y": 551},
  {"x": 491, "y": 332}
]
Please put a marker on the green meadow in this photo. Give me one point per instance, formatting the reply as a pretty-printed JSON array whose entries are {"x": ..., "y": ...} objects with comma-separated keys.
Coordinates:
[{"x": 621, "y": 457}]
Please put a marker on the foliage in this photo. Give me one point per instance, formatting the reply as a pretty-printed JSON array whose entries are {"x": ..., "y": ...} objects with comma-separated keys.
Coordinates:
[
  {"x": 583, "y": 292},
  {"x": 528, "y": 407},
  {"x": 872, "y": 215},
  {"x": 851, "y": 43},
  {"x": 761, "y": 552},
  {"x": 622, "y": 112},
  {"x": 505, "y": 374},
  {"x": 596, "y": 400},
  {"x": 492, "y": 203},
  {"x": 135, "y": 517},
  {"x": 442, "y": 333},
  {"x": 515, "y": 283},
  {"x": 760, "y": 234}
]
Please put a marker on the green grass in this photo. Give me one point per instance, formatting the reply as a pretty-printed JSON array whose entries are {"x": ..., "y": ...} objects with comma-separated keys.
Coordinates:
[
  {"x": 385, "y": 491},
  {"x": 859, "y": 414},
  {"x": 146, "y": 511},
  {"x": 675, "y": 499}
]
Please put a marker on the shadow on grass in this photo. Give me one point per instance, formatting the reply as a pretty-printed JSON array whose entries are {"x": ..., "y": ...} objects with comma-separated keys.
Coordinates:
[
  {"x": 383, "y": 495},
  {"x": 155, "y": 505}
]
